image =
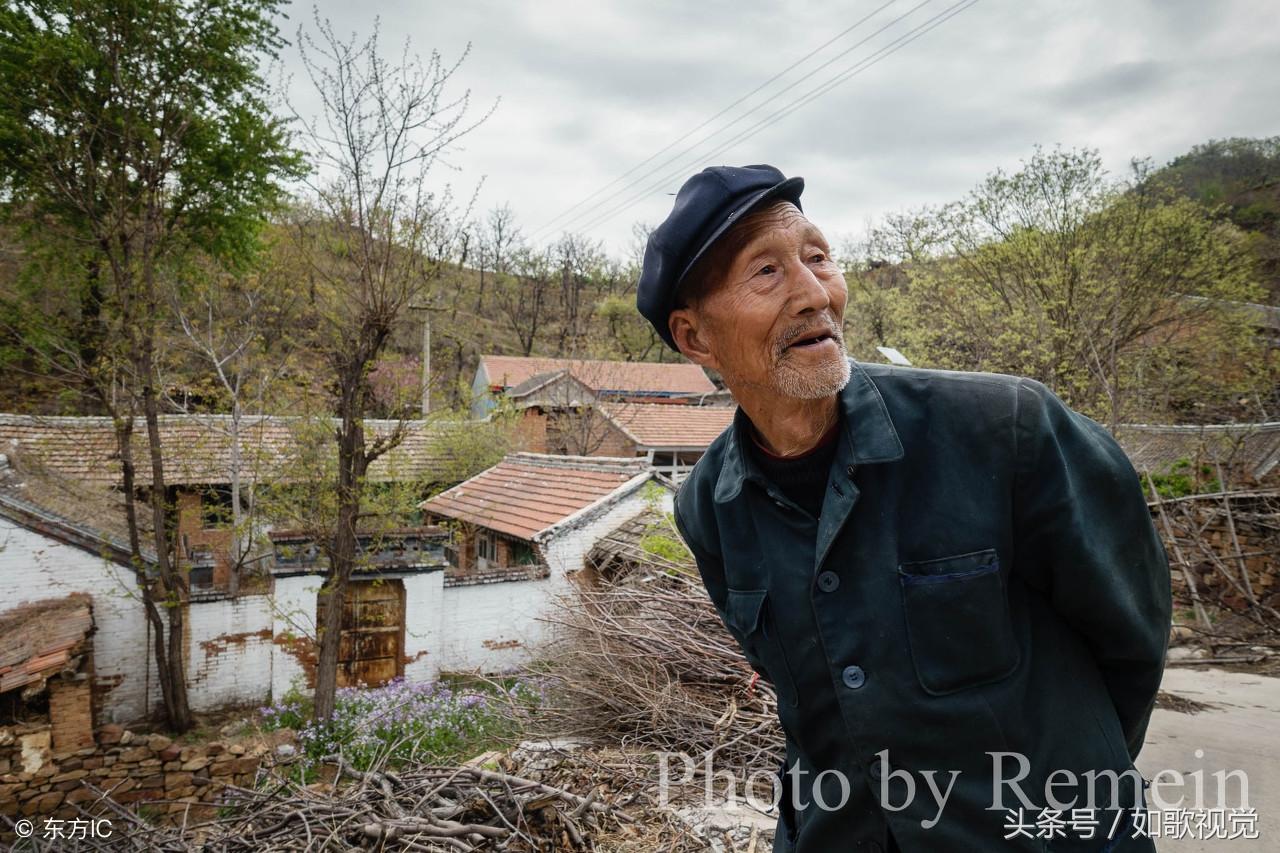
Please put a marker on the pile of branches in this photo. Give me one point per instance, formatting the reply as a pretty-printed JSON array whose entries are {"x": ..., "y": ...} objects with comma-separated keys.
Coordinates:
[
  {"x": 644, "y": 660},
  {"x": 1224, "y": 551},
  {"x": 420, "y": 808}
]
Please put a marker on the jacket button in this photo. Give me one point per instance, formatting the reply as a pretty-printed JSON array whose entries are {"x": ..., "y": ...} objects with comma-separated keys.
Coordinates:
[
  {"x": 828, "y": 581},
  {"x": 850, "y": 470},
  {"x": 854, "y": 677}
]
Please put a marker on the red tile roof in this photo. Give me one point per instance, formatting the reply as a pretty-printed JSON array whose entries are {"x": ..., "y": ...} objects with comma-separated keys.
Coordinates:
[
  {"x": 634, "y": 377},
  {"x": 667, "y": 426},
  {"x": 526, "y": 493},
  {"x": 40, "y": 638},
  {"x": 197, "y": 447}
]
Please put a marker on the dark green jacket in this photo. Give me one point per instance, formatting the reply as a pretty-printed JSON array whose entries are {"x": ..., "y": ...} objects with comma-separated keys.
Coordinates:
[{"x": 984, "y": 577}]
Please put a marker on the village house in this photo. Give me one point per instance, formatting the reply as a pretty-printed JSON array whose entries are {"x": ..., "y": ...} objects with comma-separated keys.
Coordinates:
[
  {"x": 667, "y": 414},
  {"x": 559, "y": 417},
  {"x": 420, "y": 602},
  {"x": 63, "y": 531},
  {"x": 670, "y": 438},
  {"x": 520, "y": 532},
  {"x": 207, "y": 459},
  {"x": 64, "y": 540},
  {"x": 503, "y": 375}
]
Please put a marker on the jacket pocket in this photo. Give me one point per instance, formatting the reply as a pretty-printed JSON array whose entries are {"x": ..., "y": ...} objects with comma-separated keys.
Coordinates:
[
  {"x": 958, "y": 621},
  {"x": 747, "y": 614}
]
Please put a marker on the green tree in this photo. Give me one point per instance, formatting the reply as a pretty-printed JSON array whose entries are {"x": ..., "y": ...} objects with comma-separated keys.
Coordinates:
[
  {"x": 1122, "y": 297},
  {"x": 133, "y": 132}
]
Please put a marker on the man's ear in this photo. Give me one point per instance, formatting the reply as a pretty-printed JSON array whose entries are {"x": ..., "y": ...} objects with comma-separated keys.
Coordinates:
[{"x": 690, "y": 335}]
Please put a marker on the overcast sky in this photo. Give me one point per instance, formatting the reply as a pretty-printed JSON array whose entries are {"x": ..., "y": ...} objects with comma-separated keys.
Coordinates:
[{"x": 590, "y": 90}]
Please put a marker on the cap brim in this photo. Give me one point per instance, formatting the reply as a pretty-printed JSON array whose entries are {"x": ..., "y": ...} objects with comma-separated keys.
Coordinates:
[{"x": 789, "y": 190}]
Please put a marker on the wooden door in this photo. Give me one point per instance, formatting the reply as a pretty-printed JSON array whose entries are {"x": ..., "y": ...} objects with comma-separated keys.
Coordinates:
[{"x": 371, "y": 651}]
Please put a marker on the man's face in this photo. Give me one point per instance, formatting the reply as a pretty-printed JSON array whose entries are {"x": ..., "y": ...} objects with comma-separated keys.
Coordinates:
[{"x": 773, "y": 322}]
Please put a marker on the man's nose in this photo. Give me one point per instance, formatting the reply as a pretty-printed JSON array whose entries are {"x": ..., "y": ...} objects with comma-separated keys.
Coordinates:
[{"x": 807, "y": 291}]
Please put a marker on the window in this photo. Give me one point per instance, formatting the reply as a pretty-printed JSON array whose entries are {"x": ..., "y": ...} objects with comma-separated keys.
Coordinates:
[
  {"x": 486, "y": 547},
  {"x": 215, "y": 507},
  {"x": 522, "y": 554}
]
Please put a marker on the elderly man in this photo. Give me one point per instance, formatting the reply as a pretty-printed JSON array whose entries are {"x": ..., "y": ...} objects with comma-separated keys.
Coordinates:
[{"x": 951, "y": 579}]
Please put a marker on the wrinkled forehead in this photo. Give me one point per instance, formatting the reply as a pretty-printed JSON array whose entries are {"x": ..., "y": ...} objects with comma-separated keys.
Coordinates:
[{"x": 781, "y": 222}]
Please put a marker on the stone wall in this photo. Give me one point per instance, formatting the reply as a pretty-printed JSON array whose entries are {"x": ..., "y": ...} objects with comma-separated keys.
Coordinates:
[
  {"x": 168, "y": 777},
  {"x": 1201, "y": 529}
]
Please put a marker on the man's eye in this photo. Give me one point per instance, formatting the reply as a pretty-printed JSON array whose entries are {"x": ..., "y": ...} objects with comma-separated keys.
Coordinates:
[{"x": 767, "y": 269}]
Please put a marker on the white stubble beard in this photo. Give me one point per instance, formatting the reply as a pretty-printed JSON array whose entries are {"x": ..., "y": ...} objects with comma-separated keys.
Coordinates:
[{"x": 792, "y": 380}]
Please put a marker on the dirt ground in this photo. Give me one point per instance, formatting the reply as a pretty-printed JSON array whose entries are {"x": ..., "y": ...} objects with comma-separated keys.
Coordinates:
[{"x": 1210, "y": 720}]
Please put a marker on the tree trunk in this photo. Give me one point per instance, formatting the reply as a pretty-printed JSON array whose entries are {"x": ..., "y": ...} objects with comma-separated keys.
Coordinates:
[
  {"x": 173, "y": 678},
  {"x": 124, "y": 443},
  {"x": 239, "y": 536},
  {"x": 352, "y": 463}
]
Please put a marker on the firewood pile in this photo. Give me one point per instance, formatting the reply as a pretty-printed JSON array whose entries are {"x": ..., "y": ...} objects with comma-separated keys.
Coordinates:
[
  {"x": 422, "y": 808},
  {"x": 645, "y": 661}
]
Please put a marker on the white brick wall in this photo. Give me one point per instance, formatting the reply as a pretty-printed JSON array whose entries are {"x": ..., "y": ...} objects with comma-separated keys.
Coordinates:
[
  {"x": 229, "y": 656},
  {"x": 567, "y": 548},
  {"x": 293, "y": 613},
  {"x": 480, "y": 622},
  {"x": 423, "y": 616},
  {"x": 35, "y": 567}
]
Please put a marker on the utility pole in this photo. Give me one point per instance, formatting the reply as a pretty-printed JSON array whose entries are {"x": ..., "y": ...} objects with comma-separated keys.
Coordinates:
[{"x": 426, "y": 354}]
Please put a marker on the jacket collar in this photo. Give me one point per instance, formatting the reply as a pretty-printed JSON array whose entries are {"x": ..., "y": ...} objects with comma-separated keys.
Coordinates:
[{"x": 868, "y": 432}]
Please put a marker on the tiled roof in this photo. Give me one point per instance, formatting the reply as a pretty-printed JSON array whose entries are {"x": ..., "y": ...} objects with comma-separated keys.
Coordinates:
[
  {"x": 1253, "y": 448},
  {"x": 623, "y": 548},
  {"x": 88, "y": 515},
  {"x": 527, "y": 493},
  {"x": 40, "y": 638},
  {"x": 558, "y": 387},
  {"x": 198, "y": 448},
  {"x": 633, "y": 377},
  {"x": 665, "y": 425}
]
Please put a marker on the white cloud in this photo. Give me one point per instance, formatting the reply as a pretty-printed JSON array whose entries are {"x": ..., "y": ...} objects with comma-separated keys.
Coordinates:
[{"x": 589, "y": 91}]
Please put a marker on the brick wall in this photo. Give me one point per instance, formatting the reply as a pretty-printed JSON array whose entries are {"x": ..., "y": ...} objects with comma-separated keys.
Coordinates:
[
  {"x": 1207, "y": 527},
  {"x": 531, "y": 433},
  {"x": 229, "y": 653},
  {"x": 423, "y": 611},
  {"x": 70, "y": 712},
  {"x": 608, "y": 440},
  {"x": 292, "y": 629},
  {"x": 193, "y": 534}
]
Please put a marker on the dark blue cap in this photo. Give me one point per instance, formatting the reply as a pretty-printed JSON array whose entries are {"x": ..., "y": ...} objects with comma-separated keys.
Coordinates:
[{"x": 706, "y": 207}]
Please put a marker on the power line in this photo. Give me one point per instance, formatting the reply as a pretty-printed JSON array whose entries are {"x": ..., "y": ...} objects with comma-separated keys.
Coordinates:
[
  {"x": 808, "y": 97},
  {"x": 552, "y": 222},
  {"x": 821, "y": 89},
  {"x": 603, "y": 204}
]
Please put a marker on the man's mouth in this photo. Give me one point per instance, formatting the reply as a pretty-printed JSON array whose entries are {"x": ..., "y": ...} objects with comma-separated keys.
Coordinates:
[{"x": 812, "y": 340}]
